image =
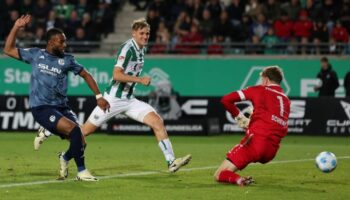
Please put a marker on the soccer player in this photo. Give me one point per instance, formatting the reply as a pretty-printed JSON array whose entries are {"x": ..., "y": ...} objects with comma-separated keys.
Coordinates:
[
  {"x": 119, "y": 93},
  {"x": 266, "y": 127},
  {"x": 48, "y": 92}
]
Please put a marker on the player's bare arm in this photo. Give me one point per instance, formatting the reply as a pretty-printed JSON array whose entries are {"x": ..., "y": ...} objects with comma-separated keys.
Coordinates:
[
  {"x": 119, "y": 75},
  {"x": 101, "y": 102},
  {"x": 10, "y": 48}
]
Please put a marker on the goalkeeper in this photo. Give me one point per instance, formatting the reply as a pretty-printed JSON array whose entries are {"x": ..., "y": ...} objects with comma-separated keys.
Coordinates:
[{"x": 264, "y": 130}]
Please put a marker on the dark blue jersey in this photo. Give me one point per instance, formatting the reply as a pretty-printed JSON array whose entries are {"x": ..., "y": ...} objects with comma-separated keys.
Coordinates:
[{"x": 49, "y": 77}]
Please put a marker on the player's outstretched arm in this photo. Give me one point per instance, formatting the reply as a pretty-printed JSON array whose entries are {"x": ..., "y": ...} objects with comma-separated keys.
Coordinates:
[
  {"x": 119, "y": 75},
  {"x": 101, "y": 102},
  {"x": 10, "y": 48},
  {"x": 229, "y": 103}
]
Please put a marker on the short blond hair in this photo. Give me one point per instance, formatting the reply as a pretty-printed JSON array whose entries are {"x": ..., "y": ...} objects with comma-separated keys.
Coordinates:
[{"x": 139, "y": 24}]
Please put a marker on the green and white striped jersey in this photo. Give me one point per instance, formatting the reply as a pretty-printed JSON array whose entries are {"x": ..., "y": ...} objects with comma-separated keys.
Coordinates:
[{"x": 131, "y": 58}]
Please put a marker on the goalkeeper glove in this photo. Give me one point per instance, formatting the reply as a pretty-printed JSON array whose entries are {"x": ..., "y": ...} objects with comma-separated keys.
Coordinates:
[
  {"x": 250, "y": 111},
  {"x": 242, "y": 121}
]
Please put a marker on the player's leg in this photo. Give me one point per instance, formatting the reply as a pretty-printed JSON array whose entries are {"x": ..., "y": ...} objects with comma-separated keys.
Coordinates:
[
  {"x": 153, "y": 120},
  {"x": 227, "y": 173},
  {"x": 268, "y": 149},
  {"x": 230, "y": 176},
  {"x": 68, "y": 128},
  {"x": 156, "y": 123},
  {"x": 236, "y": 159},
  {"x": 88, "y": 128},
  {"x": 62, "y": 122},
  {"x": 144, "y": 113},
  {"x": 96, "y": 118},
  {"x": 43, "y": 134},
  {"x": 76, "y": 148}
]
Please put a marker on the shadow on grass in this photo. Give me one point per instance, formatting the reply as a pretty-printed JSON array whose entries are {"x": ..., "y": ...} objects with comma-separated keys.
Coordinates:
[
  {"x": 120, "y": 167},
  {"x": 43, "y": 173}
]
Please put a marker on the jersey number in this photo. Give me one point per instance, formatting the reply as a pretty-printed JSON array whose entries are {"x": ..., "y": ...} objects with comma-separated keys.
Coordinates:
[{"x": 281, "y": 105}]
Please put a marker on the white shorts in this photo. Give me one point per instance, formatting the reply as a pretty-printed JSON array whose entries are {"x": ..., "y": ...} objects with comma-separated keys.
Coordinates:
[{"x": 133, "y": 108}]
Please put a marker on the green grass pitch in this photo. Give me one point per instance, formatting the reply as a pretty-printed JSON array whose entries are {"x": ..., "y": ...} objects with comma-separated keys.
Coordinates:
[{"x": 133, "y": 167}]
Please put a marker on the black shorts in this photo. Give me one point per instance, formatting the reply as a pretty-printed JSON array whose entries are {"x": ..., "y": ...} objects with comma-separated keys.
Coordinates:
[{"x": 48, "y": 116}]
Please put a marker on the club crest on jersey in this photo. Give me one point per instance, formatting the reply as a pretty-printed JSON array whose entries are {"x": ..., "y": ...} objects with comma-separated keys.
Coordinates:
[
  {"x": 61, "y": 61},
  {"x": 52, "y": 118},
  {"x": 121, "y": 57}
]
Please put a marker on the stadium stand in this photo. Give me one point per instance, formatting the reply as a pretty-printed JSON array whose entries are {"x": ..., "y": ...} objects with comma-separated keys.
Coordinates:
[
  {"x": 250, "y": 26},
  {"x": 84, "y": 22},
  {"x": 193, "y": 26}
]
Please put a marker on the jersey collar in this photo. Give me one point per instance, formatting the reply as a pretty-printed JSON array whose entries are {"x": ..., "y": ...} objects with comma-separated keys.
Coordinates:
[
  {"x": 275, "y": 86},
  {"x": 271, "y": 85},
  {"x": 48, "y": 53},
  {"x": 135, "y": 44}
]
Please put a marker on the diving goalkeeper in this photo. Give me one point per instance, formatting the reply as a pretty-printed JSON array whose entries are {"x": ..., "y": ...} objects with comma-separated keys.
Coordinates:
[{"x": 263, "y": 131}]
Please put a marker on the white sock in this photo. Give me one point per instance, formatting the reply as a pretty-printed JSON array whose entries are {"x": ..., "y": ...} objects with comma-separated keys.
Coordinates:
[
  {"x": 47, "y": 133},
  {"x": 166, "y": 147}
]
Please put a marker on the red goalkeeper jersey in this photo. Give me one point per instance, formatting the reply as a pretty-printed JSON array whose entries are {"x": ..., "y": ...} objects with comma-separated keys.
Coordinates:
[{"x": 271, "y": 109}]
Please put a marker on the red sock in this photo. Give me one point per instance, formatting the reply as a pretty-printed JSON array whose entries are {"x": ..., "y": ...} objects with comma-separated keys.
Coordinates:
[{"x": 228, "y": 177}]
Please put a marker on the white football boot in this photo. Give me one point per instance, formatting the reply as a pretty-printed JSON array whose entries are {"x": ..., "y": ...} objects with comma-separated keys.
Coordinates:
[
  {"x": 40, "y": 138},
  {"x": 63, "y": 167},
  {"x": 179, "y": 162},
  {"x": 85, "y": 175}
]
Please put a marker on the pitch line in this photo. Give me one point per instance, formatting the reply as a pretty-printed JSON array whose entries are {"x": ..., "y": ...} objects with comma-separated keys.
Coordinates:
[{"x": 149, "y": 173}]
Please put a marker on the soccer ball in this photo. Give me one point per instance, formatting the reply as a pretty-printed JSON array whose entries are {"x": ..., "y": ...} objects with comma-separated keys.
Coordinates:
[{"x": 326, "y": 161}]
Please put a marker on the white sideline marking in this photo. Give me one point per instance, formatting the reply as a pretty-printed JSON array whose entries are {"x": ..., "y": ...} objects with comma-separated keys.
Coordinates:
[{"x": 149, "y": 173}]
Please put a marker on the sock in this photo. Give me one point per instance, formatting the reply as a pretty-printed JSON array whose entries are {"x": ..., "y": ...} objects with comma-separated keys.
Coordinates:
[
  {"x": 67, "y": 155},
  {"x": 81, "y": 168},
  {"x": 228, "y": 177},
  {"x": 167, "y": 149},
  {"x": 76, "y": 148}
]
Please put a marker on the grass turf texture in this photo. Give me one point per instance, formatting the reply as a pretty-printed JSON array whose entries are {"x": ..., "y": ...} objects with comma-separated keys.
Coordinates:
[{"x": 116, "y": 156}]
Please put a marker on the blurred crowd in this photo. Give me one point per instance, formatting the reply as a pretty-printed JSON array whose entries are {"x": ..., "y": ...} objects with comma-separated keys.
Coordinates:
[
  {"x": 197, "y": 26},
  {"x": 81, "y": 20},
  {"x": 256, "y": 26}
]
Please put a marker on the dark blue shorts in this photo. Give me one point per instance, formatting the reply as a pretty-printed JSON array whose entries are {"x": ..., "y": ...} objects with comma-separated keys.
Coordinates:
[{"x": 48, "y": 116}]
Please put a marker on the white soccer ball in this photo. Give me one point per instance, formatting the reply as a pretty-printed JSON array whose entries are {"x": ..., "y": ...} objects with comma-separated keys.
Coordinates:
[{"x": 326, "y": 161}]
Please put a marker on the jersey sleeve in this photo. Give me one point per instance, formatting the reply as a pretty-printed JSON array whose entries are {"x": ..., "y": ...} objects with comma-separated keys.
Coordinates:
[
  {"x": 123, "y": 57},
  {"x": 249, "y": 93},
  {"x": 27, "y": 54},
  {"x": 229, "y": 100},
  {"x": 75, "y": 67}
]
